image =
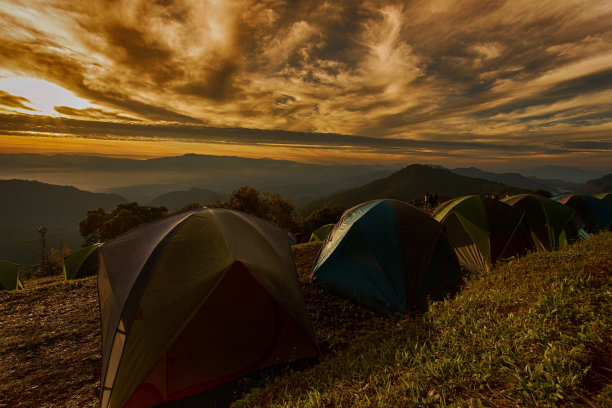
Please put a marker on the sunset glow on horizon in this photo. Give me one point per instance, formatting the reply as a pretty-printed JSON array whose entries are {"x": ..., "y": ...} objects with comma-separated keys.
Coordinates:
[{"x": 470, "y": 83}]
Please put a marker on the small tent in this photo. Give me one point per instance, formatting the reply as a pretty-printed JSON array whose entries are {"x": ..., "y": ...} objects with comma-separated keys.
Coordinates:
[
  {"x": 552, "y": 224},
  {"x": 81, "y": 263},
  {"x": 320, "y": 233},
  {"x": 9, "y": 276},
  {"x": 607, "y": 197},
  {"x": 483, "y": 230},
  {"x": 195, "y": 300},
  {"x": 592, "y": 214},
  {"x": 388, "y": 255}
]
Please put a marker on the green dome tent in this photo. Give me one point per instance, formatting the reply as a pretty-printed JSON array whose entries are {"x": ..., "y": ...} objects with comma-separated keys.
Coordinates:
[
  {"x": 387, "y": 255},
  {"x": 552, "y": 224},
  {"x": 82, "y": 263},
  {"x": 9, "y": 276},
  {"x": 592, "y": 214},
  {"x": 194, "y": 300},
  {"x": 321, "y": 233},
  {"x": 483, "y": 230},
  {"x": 607, "y": 197}
]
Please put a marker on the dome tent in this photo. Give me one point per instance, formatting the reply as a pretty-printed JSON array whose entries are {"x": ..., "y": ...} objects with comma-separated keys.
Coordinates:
[
  {"x": 552, "y": 224},
  {"x": 592, "y": 214},
  {"x": 195, "y": 300},
  {"x": 321, "y": 233},
  {"x": 9, "y": 276},
  {"x": 483, "y": 230},
  {"x": 81, "y": 263},
  {"x": 607, "y": 197},
  {"x": 388, "y": 255}
]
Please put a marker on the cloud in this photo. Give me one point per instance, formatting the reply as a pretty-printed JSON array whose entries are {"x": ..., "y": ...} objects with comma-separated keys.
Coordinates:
[
  {"x": 428, "y": 71},
  {"x": 6, "y": 99}
]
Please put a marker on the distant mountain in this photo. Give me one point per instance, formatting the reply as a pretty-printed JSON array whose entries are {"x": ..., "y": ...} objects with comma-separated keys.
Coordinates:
[
  {"x": 412, "y": 182},
  {"x": 565, "y": 173},
  {"x": 600, "y": 185},
  {"x": 518, "y": 180},
  {"x": 144, "y": 180},
  {"x": 178, "y": 199},
  {"x": 25, "y": 205}
]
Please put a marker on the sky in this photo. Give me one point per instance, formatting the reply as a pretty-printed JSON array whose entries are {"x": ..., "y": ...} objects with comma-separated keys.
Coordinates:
[{"x": 493, "y": 84}]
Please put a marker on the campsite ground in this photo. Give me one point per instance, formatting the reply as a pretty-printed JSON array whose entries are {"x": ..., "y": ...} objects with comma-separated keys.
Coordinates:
[
  {"x": 535, "y": 331},
  {"x": 50, "y": 346}
]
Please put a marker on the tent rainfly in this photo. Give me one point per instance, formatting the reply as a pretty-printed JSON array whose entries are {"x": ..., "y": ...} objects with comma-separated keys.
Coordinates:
[
  {"x": 483, "y": 230},
  {"x": 388, "y": 255},
  {"x": 82, "y": 263},
  {"x": 320, "y": 233},
  {"x": 592, "y": 214},
  {"x": 195, "y": 300},
  {"x": 552, "y": 224},
  {"x": 9, "y": 276}
]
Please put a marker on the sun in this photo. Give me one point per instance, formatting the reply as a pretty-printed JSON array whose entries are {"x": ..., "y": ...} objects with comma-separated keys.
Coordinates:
[{"x": 43, "y": 95}]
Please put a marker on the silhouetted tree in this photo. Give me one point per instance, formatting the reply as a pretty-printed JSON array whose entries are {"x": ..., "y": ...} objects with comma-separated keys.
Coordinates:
[
  {"x": 99, "y": 226},
  {"x": 328, "y": 214}
]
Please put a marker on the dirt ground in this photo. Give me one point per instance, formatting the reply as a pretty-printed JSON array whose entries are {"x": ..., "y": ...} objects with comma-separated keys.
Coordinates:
[{"x": 50, "y": 341}]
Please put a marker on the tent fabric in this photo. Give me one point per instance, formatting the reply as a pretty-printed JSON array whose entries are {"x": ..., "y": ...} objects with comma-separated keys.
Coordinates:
[
  {"x": 388, "y": 255},
  {"x": 483, "y": 230},
  {"x": 9, "y": 276},
  {"x": 607, "y": 197},
  {"x": 592, "y": 214},
  {"x": 552, "y": 225},
  {"x": 321, "y": 233},
  {"x": 82, "y": 263},
  {"x": 194, "y": 300}
]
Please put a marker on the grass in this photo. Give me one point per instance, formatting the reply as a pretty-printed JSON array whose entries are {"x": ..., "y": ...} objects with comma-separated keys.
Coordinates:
[{"x": 535, "y": 332}]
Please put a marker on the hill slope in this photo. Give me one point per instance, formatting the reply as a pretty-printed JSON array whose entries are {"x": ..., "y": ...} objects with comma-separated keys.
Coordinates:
[
  {"x": 27, "y": 204},
  {"x": 529, "y": 333},
  {"x": 517, "y": 180},
  {"x": 178, "y": 199},
  {"x": 412, "y": 182},
  {"x": 600, "y": 185}
]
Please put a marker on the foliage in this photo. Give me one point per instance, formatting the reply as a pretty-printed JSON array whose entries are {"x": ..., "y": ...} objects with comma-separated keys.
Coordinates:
[
  {"x": 269, "y": 206},
  {"x": 534, "y": 332},
  {"x": 51, "y": 265},
  {"x": 327, "y": 214},
  {"x": 99, "y": 226}
]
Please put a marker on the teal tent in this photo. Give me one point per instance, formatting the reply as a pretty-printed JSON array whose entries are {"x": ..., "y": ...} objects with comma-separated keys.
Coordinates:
[
  {"x": 82, "y": 263},
  {"x": 592, "y": 214},
  {"x": 321, "y": 233},
  {"x": 388, "y": 255},
  {"x": 552, "y": 224},
  {"x": 9, "y": 276}
]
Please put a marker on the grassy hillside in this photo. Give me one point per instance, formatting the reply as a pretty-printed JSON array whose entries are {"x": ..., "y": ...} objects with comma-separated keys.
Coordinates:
[
  {"x": 412, "y": 182},
  {"x": 536, "y": 331}
]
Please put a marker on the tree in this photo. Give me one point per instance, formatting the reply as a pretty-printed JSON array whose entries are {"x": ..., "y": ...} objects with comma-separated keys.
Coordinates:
[
  {"x": 328, "y": 214},
  {"x": 269, "y": 206},
  {"x": 99, "y": 226}
]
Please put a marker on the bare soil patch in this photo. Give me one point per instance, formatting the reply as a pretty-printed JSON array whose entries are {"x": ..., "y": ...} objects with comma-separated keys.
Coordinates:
[{"x": 50, "y": 341}]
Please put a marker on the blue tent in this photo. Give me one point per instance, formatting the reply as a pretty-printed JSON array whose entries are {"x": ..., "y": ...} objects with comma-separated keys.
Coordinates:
[
  {"x": 592, "y": 214},
  {"x": 388, "y": 255}
]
